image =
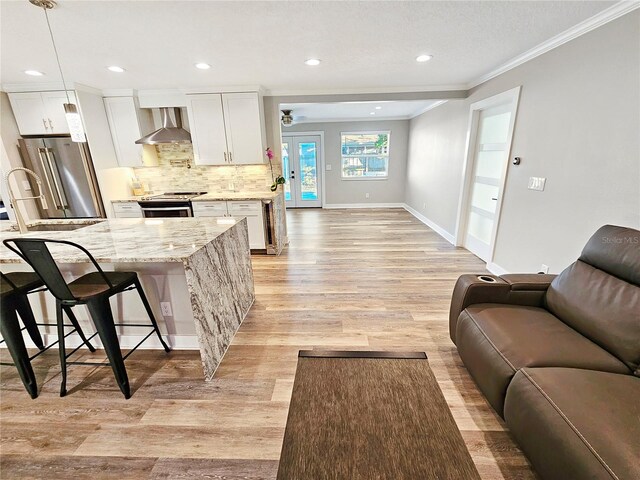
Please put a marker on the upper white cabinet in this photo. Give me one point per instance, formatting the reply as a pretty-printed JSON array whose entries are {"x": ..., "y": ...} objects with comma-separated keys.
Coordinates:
[
  {"x": 129, "y": 123},
  {"x": 227, "y": 128},
  {"x": 41, "y": 113},
  {"x": 207, "y": 129}
]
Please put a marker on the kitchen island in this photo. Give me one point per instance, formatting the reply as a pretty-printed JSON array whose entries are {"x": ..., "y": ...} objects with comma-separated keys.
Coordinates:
[{"x": 199, "y": 269}]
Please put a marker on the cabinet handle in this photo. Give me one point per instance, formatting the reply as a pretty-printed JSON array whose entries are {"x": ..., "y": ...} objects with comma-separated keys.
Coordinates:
[
  {"x": 51, "y": 125},
  {"x": 44, "y": 122},
  {"x": 230, "y": 157},
  {"x": 225, "y": 157}
]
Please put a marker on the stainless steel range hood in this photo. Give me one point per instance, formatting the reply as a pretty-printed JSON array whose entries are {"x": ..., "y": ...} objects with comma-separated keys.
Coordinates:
[{"x": 169, "y": 133}]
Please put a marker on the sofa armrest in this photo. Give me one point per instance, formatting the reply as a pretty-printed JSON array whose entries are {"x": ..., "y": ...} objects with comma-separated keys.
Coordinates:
[
  {"x": 529, "y": 281},
  {"x": 517, "y": 289}
]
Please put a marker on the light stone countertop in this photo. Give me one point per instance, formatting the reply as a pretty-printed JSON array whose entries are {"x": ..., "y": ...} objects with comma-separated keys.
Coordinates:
[
  {"x": 220, "y": 196},
  {"x": 130, "y": 240}
]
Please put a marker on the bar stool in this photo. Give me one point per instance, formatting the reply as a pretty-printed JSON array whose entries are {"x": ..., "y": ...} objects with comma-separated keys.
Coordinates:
[
  {"x": 93, "y": 290},
  {"x": 14, "y": 288}
]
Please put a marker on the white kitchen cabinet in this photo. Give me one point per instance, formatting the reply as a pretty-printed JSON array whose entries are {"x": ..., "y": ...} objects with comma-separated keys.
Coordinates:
[
  {"x": 127, "y": 210},
  {"x": 41, "y": 113},
  {"x": 227, "y": 128},
  {"x": 208, "y": 137},
  {"x": 129, "y": 123},
  {"x": 244, "y": 126},
  {"x": 250, "y": 209}
]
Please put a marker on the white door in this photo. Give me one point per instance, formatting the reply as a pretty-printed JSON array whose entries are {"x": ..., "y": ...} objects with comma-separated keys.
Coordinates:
[
  {"x": 29, "y": 112},
  {"x": 243, "y": 125},
  {"x": 206, "y": 121},
  {"x": 492, "y": 130},
  {"x": 301, "y": 170},
  {"x": 54, "y": 108},
  {"x": 125, "y": 130}
]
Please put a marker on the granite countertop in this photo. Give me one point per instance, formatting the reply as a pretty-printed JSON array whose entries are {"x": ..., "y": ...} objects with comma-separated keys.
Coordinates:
[
  {"x": 130, "y": 240},
  {"x": 236, "y": 196},
  {"x": 221, "y": 196}
]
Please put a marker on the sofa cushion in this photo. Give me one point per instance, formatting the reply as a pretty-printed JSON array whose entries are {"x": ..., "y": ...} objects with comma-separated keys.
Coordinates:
[
  {"x": 599, "y": 295},
  {"x": 496, "y": 340},
  {"x": 576, "y": 423}
]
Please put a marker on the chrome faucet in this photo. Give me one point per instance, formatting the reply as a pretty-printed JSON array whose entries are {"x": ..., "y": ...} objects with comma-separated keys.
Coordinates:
[{"x": 22, "y": 226}]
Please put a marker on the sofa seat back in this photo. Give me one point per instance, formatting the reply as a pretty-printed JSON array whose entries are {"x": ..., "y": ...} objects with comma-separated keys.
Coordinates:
[{"x": 599, "y": 294}]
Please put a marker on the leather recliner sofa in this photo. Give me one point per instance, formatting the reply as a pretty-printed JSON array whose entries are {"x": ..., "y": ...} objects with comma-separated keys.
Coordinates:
[{"x": 558, "y": 357}]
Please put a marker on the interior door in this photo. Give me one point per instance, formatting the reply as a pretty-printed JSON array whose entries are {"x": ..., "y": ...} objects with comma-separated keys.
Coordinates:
[
  {"x": 302, "y": 172},
  {"x": 491, "y": 150}
]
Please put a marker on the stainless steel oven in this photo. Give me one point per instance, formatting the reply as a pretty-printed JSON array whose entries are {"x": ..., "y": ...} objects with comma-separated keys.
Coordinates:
[
  {"x": 168, "y": 205},
  {"x": 157, "y": 209}
]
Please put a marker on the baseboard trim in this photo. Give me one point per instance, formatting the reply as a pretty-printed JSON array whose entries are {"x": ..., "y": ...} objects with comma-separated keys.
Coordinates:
[
  {"x": 363, "y": 205},
  {"x": 496, "y": 269},
  {"x": 432, "y": 225}
]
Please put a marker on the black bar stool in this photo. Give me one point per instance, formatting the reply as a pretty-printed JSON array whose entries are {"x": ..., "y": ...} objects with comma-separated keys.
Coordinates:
[
  {"x": 93, "y": 290},
  {"x": 14, "y": 288}
]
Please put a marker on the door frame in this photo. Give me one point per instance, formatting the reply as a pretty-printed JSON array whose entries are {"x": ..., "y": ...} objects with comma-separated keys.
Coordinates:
[
  {"x": 321, "y": 166},
  {"x": 510, "y": 96}
]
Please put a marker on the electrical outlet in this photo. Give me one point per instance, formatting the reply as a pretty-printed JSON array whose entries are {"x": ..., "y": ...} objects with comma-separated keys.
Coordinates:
[
  {"x": 537, "y": 183},
  {"x": 544, "y": 268},
  {"x": 165, "y": 307},
  {"x": 328, "y": 167},
  {"x": 26, "y": 185},
  {"x": 366, "y": 195}
]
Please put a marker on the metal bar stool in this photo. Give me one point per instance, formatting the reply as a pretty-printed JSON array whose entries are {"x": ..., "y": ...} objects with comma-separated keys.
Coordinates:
[
  {"x": 93, "y": 290},
  {"x": 15, "y": 286}
]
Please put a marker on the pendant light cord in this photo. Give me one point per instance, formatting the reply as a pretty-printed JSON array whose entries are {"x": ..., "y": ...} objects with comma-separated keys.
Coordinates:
[{"x": 55, "y": 50}]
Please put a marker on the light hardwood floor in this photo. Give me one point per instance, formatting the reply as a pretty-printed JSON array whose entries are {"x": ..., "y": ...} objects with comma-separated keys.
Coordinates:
[{"x": 356, "y": 279}]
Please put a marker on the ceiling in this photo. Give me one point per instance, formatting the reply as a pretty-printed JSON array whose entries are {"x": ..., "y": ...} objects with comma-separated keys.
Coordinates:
[
  {"x": 345, "y": 111},
  {"x": 363, "y": 45}
]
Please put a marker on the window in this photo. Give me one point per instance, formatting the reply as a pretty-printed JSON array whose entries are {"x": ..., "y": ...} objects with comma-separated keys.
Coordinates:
[{"x": 365, "y": 155}]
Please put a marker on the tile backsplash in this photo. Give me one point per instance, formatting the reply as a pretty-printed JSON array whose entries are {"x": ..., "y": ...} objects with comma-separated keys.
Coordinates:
[{"x": 165, "y": 178}]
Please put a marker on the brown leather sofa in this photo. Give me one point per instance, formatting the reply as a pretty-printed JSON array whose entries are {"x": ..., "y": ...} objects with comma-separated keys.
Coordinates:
[{"x": 558, "y": 357}]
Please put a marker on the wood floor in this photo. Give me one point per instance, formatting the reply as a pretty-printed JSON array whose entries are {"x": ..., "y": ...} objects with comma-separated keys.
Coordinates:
[{"x": 356, "y": 279}]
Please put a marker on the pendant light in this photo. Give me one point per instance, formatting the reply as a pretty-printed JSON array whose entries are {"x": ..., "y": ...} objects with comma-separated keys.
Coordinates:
[{"x": 70, "y": 110}]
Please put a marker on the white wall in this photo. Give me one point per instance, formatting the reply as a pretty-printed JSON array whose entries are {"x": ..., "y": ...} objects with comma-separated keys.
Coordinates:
[
  {"x": 342, "y": 192},
  {"x": 578, "y": 125}
]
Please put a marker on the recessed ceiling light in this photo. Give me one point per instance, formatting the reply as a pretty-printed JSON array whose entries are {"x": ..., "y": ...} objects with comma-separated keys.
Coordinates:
[
  {"x": 115, "y": 68},
  {"x": 34, "y": 73},
  {"x": 203, "y": 66},
  {"x": 378, "y": 108},
  {"x": 312, "y": 62},
  {"x": 423, "y": 58},
  {"x": 372, "y": 113}
]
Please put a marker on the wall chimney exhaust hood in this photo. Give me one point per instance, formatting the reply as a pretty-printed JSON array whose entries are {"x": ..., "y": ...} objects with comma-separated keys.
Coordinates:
[{"x": 169, "y": 133}]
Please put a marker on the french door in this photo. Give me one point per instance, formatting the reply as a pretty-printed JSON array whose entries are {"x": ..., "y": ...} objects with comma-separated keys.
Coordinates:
[
  {"x": 491, "y": 134},
  {"x": 301, "y": 170}
]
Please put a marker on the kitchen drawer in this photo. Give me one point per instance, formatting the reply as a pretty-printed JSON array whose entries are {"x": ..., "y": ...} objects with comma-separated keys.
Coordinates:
[
  {"x": 213, "y": 209},
  {"x": 127, "y": 210},
  {"x": 247, "y": 207}
]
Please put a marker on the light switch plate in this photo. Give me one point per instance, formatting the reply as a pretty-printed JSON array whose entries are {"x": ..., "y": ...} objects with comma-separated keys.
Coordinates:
[
  {"x": 328, "y": 167},
  {"x": 26, "y": 185},
  {"x": 537, "y": 183}
]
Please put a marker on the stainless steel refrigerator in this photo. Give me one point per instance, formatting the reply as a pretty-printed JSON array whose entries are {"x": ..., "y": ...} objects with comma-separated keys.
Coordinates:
[{"x": 67, "y": 174}]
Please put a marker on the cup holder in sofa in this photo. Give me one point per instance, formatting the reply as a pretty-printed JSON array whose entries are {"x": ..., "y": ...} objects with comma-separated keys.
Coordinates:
[{"x": 486, "y": 279}]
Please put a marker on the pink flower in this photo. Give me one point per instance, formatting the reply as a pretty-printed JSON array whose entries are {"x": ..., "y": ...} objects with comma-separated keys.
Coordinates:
[{"x": 269, "y": 153}]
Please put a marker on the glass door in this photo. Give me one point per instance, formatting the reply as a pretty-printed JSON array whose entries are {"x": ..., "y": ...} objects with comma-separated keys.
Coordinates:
[{"x": 301, "y": 165}]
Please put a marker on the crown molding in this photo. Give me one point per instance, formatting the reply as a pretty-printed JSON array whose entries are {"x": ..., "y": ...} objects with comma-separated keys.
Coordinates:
[
  {"x": 607, "y": 15},
  {"x": 119, "y": 92},
  {"x": 350, "y": 119},
  {"x": 32, "y": 87},
  {"x": 427, "y": 108},
  {"x": 365, "y": 91}
]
